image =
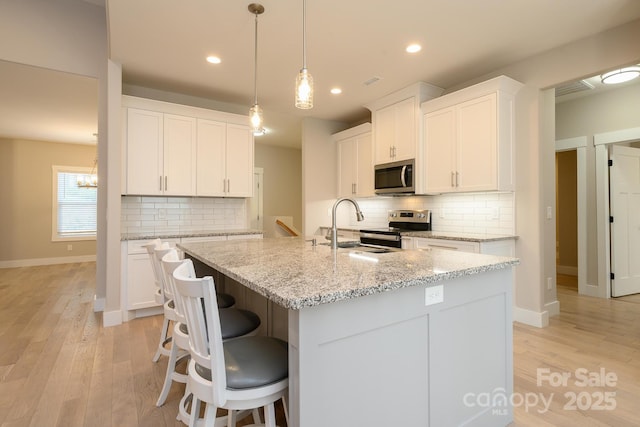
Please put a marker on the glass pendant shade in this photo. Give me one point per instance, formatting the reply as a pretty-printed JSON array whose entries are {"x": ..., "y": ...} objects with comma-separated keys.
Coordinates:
[
  {"x": 304, "y": 90},
  {"x": 255, "y": 116}
]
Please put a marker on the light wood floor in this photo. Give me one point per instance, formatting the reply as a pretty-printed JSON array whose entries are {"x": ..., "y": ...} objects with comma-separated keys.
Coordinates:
[{"x": 60, "y": 367}]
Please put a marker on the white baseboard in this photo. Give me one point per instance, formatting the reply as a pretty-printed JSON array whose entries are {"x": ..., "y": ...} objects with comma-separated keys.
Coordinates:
[
  {"x": 553, "y": 308},
  {"x": 98, "y": 304},
  {"x": 46, "y": 261},
  {"x": 530, "y": 317},
  {"x": 111, "y": 318},
  {"x": 568, "y": 270}
]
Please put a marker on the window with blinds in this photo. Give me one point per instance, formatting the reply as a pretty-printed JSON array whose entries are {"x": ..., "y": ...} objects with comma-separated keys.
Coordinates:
[{"x": 74, "y": 207}]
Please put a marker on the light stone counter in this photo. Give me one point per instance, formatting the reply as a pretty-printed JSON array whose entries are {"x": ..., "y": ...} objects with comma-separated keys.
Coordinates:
[
  {"x": 400, "y": 338},
  {"x": 181, "y": 234},
  {"x": 294, "y": 274}
]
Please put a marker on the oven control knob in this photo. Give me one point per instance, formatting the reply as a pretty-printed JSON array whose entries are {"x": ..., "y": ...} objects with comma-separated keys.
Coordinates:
[
  {"x": 421, "y": 215},
  {"x": 393, "y": 214}
]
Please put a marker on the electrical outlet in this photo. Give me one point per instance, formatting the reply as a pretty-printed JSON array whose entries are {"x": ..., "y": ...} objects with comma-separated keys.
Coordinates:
[
  {"x": 549, "y": 212},
  {"x": 162, "y": 214},
  {"x": 69, "y": 247},
  {"x": 434, "y": 295},
  {"x": 549, "y": 283},
  {"x": 495, "y": 213}
]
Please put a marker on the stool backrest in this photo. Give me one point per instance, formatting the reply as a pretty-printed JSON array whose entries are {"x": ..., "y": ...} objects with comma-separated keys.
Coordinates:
[
  {"x": 203, "y": 321},
  {"x": 150, "y": 247},
  {"x": 170, "y": 261},
  {"x": 158, "y": 253}
]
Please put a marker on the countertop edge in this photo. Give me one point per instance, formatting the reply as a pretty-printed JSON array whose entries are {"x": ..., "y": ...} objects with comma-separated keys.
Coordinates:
[{"x": 176, "y": 235}]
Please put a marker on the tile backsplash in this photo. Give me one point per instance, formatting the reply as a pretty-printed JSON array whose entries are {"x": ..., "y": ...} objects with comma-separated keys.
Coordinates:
[
  {"x": 484, "y": 213},
  {"x": 146, "y": 214}
]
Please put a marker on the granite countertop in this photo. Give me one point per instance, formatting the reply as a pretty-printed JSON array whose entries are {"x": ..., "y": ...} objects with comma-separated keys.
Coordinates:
[
  {"x": 294, "y": 274},
  {"x": 463, "y": 237},
  {"x": 179, "y": 234}
]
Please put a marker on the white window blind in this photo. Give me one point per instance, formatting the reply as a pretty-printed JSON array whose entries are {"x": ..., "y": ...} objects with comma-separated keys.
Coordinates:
[{"x": 74, "y": 207}]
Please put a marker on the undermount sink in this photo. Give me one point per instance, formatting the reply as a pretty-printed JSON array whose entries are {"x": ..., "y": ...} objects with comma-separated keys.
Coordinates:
[{"x": 357, "y": 246}]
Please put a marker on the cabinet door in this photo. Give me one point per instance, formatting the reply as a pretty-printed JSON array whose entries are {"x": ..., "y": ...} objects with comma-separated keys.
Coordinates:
[
  {"x": 179, "y": 155},
  {"x": 144, "y": 152},
  {"x": 211, "y": 158},
  {"x": 439, "y": 150},
  {"x": 364, "y": 154},
  {"x": 141, "y": 286},
  {"x": 239, "y": 161},
  {"x": 347, "y": 164},
  {"x": 452, "y": 245},
  {"x": 384, "y": 134},
  {"x": 477, "y": 144},
  {"x": 405, "y": 130}
]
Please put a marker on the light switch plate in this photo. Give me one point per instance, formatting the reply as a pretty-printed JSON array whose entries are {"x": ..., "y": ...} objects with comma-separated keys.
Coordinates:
[{"x": 434, "y": 295}]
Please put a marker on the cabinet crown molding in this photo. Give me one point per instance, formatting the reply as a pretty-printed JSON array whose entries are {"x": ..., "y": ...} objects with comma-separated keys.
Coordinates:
[
  {"x": 421, "y": 90},
  {"x": 351, "y": 132},
  {"x": 502, "y": 84}
]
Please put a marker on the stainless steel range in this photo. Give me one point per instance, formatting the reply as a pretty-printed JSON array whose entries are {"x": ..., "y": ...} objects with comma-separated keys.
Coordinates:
[{"x": 399, "y": 221}]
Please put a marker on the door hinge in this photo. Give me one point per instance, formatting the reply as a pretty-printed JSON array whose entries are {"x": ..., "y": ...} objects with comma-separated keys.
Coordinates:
[
  {"x": 610, "y": 162},
  {"x": 612, "y": 276},
  {"x": 610, "y": 219}
]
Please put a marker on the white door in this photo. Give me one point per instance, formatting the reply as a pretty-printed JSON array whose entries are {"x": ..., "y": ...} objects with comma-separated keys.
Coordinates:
[{"x": 625, "y": 228}]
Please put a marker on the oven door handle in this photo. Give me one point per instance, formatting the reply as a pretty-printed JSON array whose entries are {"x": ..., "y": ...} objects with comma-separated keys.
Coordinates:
[
  {"x": 391, "y": 238},
  {"x": 403, "y": 175}
]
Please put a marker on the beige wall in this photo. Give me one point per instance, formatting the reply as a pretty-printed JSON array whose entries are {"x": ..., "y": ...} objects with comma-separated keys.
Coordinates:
[
  {"x": 26, "y": 198},
  {"x": 282, "y": 183},
  {"x": 567, "y": 209}
]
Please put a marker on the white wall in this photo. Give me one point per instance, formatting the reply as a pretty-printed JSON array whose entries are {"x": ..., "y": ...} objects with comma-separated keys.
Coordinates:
[
  {"x": 604, "y": 112},
  {"x": 69, "y": 36},
  {"x": 319, "y": 172}
]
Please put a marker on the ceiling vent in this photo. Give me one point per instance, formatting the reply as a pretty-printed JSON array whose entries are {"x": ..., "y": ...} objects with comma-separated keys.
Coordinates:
[
  {"x": 573, "y": 87},
  {"x": 372, "y": 80}
]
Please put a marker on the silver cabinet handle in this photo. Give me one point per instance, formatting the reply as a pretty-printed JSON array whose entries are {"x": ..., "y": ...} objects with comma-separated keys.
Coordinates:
[
  {"x": 453, "y": 179},
  {"x": 165, "y": 183},
  {"x": 390, "y": 152},
  {"x": 160, "y": 186},
  {"x": 228, "y": 186},
  {"x": 457, "y": 179}
]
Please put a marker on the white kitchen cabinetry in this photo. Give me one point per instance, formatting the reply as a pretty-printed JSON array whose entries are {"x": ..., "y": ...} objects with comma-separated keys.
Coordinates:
[
  {"x": 178, "y": 150},
  {"x": 138, "y": 275},
  {"x": 469, "y": 138},
  {"x": 397, "y": 124},
  {"x": 224, "y": 160},
  {"x": 505, "y": 247},
  {"x": 137, "y": 282},
  {"x": 160, "y": 153},
  {"x": 355, "y": 162}
]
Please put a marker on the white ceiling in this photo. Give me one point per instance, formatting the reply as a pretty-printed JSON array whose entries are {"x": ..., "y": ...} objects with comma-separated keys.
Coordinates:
[{"x": 162, "y": 44}]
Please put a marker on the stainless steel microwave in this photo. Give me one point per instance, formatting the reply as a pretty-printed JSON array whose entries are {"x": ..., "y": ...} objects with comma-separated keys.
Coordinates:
[{"x": 395, "y": 178}]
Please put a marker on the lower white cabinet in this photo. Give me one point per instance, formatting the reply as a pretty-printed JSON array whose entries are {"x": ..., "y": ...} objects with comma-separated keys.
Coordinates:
[
  {"x": 138, "y": 286},
  {"x": 494, "y": 247}
]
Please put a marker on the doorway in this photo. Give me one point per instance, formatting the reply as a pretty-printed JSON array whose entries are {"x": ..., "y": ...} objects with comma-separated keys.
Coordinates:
[{"x": 567, "y": 216}]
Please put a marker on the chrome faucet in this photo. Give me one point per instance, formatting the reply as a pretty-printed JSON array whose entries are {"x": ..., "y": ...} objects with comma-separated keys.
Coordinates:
[{"x": 334, "y": 228}]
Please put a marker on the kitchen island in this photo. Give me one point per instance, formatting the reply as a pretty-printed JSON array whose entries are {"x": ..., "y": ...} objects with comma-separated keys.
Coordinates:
[{"x": 407, "y": 338}]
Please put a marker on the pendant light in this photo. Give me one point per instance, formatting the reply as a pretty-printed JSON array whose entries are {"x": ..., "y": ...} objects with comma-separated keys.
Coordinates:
[
  {"x": 255, "y": 112},
  {"x": 304, "y": 81}
]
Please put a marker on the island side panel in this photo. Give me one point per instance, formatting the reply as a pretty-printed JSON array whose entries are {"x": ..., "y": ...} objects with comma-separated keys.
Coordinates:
[{"x": 381, "y": 359}]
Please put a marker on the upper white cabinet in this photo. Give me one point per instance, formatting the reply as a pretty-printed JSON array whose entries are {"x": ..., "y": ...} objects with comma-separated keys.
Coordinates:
[
  {"x": 397, "y": 126},
  {"x": 396, "y": 130},
  {"x": 469, "y": 138},
  {"x": 160, "y": 153},
  {"x": 355, "y": 161},
  {"x": 177, "y": 150},
  {"x": 224, "y": 159}
]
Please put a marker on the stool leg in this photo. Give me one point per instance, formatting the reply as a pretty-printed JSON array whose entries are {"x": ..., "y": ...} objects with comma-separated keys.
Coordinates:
[
  {"x": 195, "y": 412},
  {"x": 286, "y": 408},
  {"x": 163, "y": 339},
  {"x": 210, "y": 415},
  {"x": 256, "y": 416},
  {"x": 270, "y": 415},
  {"x": 168, "y": 378}
]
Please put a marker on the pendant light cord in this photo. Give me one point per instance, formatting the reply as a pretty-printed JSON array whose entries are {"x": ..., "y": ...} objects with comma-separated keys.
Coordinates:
[
  {"x": 255, "y": 63},
  {"x": 304, "y": 34}
]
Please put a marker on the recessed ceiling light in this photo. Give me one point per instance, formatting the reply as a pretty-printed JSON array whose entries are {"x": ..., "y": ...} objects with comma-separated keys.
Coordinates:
[
  {"x": 620, "y": 76},
  {"x": 336, "y": 91},
  {"x": 213, "y": 60},
  {"x": 413, "y": 48}
]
